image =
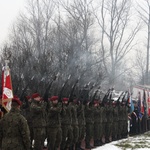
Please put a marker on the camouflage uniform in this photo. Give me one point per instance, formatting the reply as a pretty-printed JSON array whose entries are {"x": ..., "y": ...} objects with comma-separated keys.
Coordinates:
[
  {"x": 14, "y": 131},
  {"x": 66, "y": 121},
  {"x": 89, "y": 115},
  {"x": 125, "y": 120},
  {"x": 81, "y": 121},
  {"x": 54, "y": 132},
  {"x": 97, "y": 122},
  {"x": 28, "y": 116},
  {"x": 115, "y": 122},
  {"x": 109, "y": 124},
  {"x": 39, "y": 123},
  {"x": 104, "y": 122},
  {"x": 75, "y": 127},
  {"x": 120, "y": 121}
]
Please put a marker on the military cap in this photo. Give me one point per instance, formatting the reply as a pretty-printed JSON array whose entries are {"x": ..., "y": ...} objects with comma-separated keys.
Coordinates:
[
  {"x": 17, "y": 101},
  {"x": 53, "y": 98},
  {"x": 65, "y": 99},
  {"x": 35, "y": 95}
]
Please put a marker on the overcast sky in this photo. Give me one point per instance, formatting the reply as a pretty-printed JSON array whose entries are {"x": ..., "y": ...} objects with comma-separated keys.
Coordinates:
[{"x": 9, "y": 9}]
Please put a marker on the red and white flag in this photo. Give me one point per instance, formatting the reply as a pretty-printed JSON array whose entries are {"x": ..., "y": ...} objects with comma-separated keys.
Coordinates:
[{"x": 7, "y": 92}]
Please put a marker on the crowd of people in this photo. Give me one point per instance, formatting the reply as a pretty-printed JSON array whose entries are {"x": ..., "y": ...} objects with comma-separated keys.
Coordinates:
[{"x": 66, "y": 124}]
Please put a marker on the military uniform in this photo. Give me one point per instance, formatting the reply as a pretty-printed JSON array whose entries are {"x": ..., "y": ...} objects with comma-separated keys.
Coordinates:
[
  {"x": 54, "y": 132},
  {"x": 97, "y": 122},
  {"x": 115, "y": 121},
  {"x": 89, "y": 115},
  {"x": 14, "y": 131},
  {"x": 38, "y": 122},
  {"x": 75, "y": 128},
  {"x": 81, "y": 122},
  {"x": 109, "y": 124},
  {"x": 66, "y": 122}
]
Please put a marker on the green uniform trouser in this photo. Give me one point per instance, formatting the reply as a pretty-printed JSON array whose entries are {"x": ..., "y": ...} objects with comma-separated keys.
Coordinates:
[
  {"x": 67, "y": 136},
  {"x": 54, "y": 138},
  {"x": 97, "y": 131},
  {"x": 108, "y": 129},
  {"x": 125, "y": 127},
  {"x": 89, "y": 132},
  {"x": 104, "y": 128},
  {"x": 39, "y": 137},
  {"x": 81, "y": 132},
  {"x": 75, "y": 130},
  {"x": 120, "y": 128},
  {"x": 115, "y": 129}
]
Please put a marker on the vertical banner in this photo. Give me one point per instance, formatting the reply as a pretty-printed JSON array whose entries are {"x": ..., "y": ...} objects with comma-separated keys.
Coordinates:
[
  {"x": 7, "y": 92},
  {"x": 148, "y": 103}
]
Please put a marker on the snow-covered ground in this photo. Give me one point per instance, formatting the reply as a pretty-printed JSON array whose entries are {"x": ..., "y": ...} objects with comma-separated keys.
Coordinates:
[{"x": 138, "y": 142}]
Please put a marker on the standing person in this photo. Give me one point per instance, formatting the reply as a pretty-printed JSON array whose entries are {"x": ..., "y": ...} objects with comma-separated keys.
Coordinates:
[
  {"x": 14, "y": 130},
  {"x": 54, "y": 132},
  {"x": 89, "y": 119},
  {"x": 97, "y": 122},
  {"x": 81, "y": 121},
  {"x": 28, "y": 116},
  {"x": 38, "y": 121},
  {"x": 66, "y": 122},
  {"x": 75, "y": 127}
]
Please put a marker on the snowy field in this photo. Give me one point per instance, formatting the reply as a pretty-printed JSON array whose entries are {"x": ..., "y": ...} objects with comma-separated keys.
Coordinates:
[{"x": 139, "y": 142}]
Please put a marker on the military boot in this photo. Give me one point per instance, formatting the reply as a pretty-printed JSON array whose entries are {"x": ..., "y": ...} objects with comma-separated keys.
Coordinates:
[{"x": 88, "y": 146}]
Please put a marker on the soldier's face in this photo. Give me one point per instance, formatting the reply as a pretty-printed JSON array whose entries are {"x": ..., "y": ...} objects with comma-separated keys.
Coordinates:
[
  {"x": 55, "y": 101},
  {"x": 65, "y": 102},
  {"x": 38, "y": 98}
]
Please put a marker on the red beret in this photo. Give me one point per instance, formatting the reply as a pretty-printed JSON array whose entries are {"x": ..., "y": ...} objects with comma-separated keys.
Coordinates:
[
  {"x": 17, "y": 101},
  {"x": 65, "y": 99},
  {"x": 15, "y": 96},
  {"x": 53, "y": 98},
  {"x": 35, "y": 95}
]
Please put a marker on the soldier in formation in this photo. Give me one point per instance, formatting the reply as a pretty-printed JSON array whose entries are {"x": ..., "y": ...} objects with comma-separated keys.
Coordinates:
[
  {"x": 66, "y": 125},
  {"x": 14, "y": 130}
]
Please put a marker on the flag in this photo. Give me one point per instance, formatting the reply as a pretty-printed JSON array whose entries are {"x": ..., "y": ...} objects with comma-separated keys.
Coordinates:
[
  {"x": 7, "y": 92},
  {"x": 144, "y": 102},
  {"x": 130, "y": 101}
]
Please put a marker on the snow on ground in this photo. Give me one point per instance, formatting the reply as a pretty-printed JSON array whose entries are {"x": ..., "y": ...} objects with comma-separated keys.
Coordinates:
[{"x": 138, "y": 142}]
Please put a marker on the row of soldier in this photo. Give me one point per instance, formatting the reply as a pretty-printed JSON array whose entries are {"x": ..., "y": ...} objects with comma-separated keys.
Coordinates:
[{"x": 66, "y": 124}]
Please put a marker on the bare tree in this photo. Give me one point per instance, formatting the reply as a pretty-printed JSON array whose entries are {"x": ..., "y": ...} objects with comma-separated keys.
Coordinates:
[
  {"x": 140, "y": 68},
  {"x": 116, "y": 38},
  {"x": 144, "y": 12}
]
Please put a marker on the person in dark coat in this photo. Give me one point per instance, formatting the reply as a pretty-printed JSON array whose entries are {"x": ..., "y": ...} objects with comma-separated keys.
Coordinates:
[{"x": 14, "y": 130}]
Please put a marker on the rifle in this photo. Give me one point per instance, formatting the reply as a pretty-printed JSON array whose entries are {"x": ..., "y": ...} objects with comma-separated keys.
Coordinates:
[
  {"x": 119, "y": 97},
  {"x": 24, "y": 90},
  {"x": 62, "y": 88},
  {"x": 95, "y": 93},
  {"x": 18, "y": 85},
  {"x": 107, "y": 96},
  {"x": 72, "y": 90},
  {"x": 46, "y": 94}
]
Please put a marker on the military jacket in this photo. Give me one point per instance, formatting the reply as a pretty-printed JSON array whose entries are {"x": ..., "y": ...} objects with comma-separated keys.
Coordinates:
[
  {"x": 54, "y": 116},
  {"x": 38, "y": 114},
  {"x": 74, "y": 114},
  {"x": 81, "y": 114},
  {"x": 89, "y": 114},
  {"x": 14, "y": 131},
  {"x": 66, "y": 115}
]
